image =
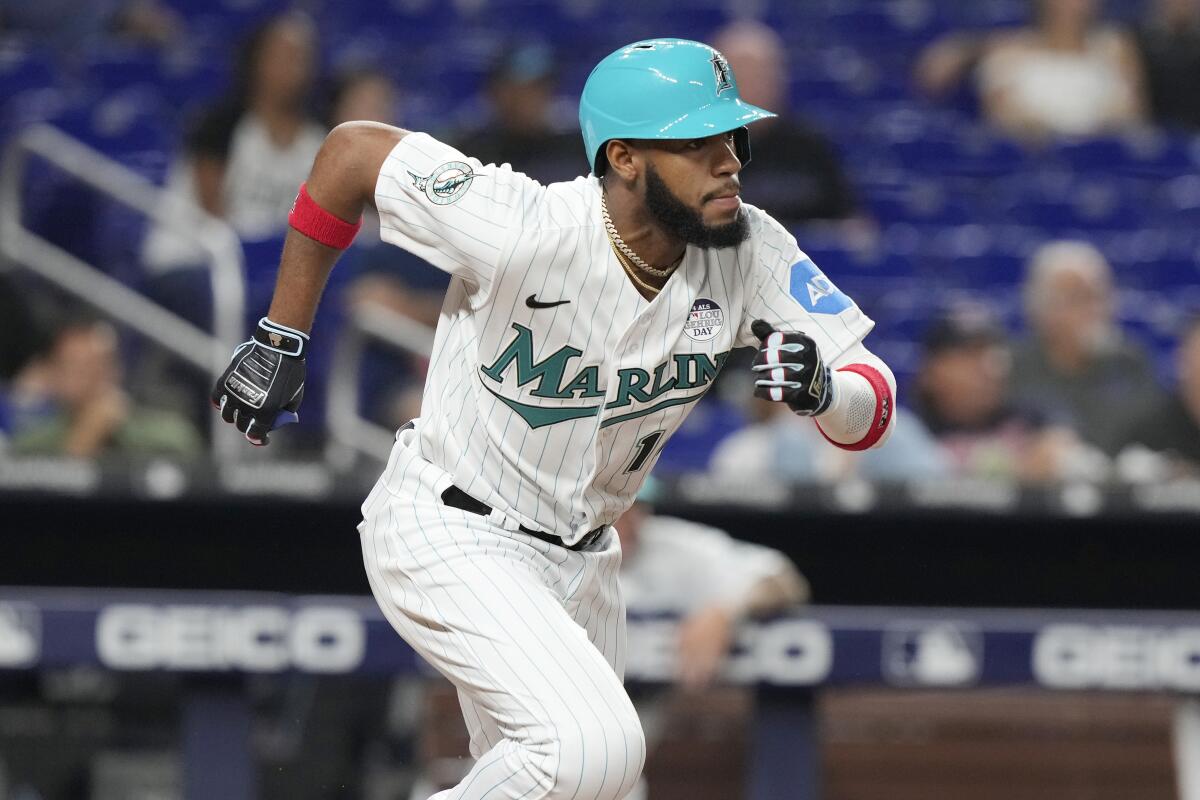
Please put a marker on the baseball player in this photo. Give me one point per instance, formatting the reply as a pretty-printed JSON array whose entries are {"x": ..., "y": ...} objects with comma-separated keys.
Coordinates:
[{"x": 583, "y": 321}]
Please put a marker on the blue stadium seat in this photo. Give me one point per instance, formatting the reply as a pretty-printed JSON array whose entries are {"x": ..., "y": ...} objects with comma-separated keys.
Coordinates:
[
  {"x": 692, "y": 446},
  {"x": 920, "y": 200},
  {"x": 1150, "y": 154},
  {"x": 1178, "y": 201},
  {"x": 884, "y": 23},
  {"x": 24, "y": 66},
  {"x": 432, "y": 26},
  {"x": 112, "y": 69},
  {"x": 128, "y": 126},
  {"x": 843, "y": 74},
  {"x": 30, "y": 106},
  {"x": 1063, "y": 202},
  {"x": 967, "y": 149},
  {"x": 237, "y": 12},
  {"x": 189, "y": 82},
  {"x": 990, "y": 14}
]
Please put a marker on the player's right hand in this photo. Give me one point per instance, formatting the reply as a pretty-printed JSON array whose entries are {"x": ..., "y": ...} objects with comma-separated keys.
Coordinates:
[
  {"x": 264, "y": 383},
  {"x": 791, "y": 370}
]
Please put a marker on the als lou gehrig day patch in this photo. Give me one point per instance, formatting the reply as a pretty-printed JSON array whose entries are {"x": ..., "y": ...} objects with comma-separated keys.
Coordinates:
[{"x": 704, "y": 320}]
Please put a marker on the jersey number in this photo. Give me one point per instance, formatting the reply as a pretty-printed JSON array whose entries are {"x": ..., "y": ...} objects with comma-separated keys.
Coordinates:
[{"x": 645, "y": 447}]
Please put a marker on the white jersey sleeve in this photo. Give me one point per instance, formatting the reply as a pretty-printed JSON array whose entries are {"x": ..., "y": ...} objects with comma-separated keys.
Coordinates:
[
  {"x": 792, "y": 294},
  {"x": 450, "y": 209}
]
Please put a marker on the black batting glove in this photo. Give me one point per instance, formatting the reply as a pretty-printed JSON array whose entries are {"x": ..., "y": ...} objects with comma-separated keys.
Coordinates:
[
  {"x": 790, "y": 370},
  {"x": 263, "y": 385}
]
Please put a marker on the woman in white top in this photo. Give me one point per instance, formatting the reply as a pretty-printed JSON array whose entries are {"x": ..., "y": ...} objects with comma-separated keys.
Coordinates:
[
  {"x": 1066, "y": 75},
  {"x": 246, "y": 155}
]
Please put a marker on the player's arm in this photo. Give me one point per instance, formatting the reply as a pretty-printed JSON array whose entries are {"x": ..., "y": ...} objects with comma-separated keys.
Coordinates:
[
  {"x": 852, "y": 400},
  {"x": 341, "y": 184},
  {"x": 705, "y": 636},
  {"x": 810, "y": 352},
  {"x": 863, "y": 412},
  {"x": 264, "y": 381}
]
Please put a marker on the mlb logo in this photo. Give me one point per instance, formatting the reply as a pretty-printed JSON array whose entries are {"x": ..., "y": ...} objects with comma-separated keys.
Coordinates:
[
  {"x": 932, "y": 654},
  {"x": 20, "y": 635}
]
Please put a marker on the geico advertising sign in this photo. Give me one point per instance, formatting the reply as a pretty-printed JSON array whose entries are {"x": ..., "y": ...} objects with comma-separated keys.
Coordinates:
[
  {"x": 20, "y": 635},
  {"x": 248, "y": 638},
  {"x": 1117, "y": 657},
  {"x": 788, "y": 652}
]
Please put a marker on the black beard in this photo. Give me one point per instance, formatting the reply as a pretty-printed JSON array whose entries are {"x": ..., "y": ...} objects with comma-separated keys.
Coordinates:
[{"x": 686, "y": 224}]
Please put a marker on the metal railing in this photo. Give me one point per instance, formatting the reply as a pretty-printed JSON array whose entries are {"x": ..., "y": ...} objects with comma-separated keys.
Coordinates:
[
  {"x": 349, "y": 432},
  {"x": 213, "y": 237}
]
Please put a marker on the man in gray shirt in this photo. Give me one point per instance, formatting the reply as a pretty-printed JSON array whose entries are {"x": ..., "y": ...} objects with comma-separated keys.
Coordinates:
[{"x": 1076, "y": 367}]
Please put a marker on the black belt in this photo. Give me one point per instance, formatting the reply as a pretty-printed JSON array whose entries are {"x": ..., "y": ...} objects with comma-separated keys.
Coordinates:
[{"x": 457, "y": 498}]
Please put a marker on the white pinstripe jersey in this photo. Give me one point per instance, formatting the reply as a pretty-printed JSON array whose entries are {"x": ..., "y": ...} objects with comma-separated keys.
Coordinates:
[{"x": 553, "y": 415}]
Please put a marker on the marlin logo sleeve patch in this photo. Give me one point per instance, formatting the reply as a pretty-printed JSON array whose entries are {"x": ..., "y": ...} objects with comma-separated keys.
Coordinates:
[
  {"x": 809, "y": 286},
  {"x": 446, "y": 184}
]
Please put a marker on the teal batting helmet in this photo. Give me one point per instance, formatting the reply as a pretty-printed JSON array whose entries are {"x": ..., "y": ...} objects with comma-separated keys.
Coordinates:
[{"x": 663, "y": 89}]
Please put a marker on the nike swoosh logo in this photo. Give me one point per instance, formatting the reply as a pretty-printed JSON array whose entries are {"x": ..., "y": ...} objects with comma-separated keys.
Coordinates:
[{"x": 533, "y": 302}]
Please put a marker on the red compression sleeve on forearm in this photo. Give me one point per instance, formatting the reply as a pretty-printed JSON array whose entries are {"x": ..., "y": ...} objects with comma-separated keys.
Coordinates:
[
  {"x": 883, "y": 408},
  {"x": 318, "y": 224}
]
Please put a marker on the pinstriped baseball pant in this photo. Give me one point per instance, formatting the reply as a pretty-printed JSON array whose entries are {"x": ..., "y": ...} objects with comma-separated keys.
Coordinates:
[{"x": 531, "y": 634}]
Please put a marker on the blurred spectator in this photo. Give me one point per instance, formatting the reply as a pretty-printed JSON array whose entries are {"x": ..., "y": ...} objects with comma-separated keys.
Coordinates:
[
  {"x": 147, "y": 22},
  {"x": 673, "y": 566},
  {"x": 91, "y": 414},
  {"x": 1172, "y": 427},
  {"x": 711, "y": 581},
  {"x": 363, "y": 94},
  {"x": 941, "y": 68},
  {"x": 1076, "y": 368},
  {"x": 1065, "y": 75},
  {"x": 778, "y": 445},
  {"x": 247, "y": 155},
  {"x": 1169, "y": 41},
  {"x": 23, "y": 342},
  {"x": 963, "y": 397},
  {"x": 796, "y": 174},
  {"x": 72, "y": 26},
  {"x": 253, "y": 151},
  {"x": 522, "y": 130},
  {"x": 20, "y": 336}
]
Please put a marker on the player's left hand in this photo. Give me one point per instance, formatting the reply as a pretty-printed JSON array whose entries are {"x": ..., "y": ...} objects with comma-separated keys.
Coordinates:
[
  {"x": 790, "y": 370},
  {"x": 263, "y": 385}
]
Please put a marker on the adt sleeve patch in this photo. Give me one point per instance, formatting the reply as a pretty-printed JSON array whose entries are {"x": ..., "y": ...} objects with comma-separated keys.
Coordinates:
[{"x": 816, "y": 292}]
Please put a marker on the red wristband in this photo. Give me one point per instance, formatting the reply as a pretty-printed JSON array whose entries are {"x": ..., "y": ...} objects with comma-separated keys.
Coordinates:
[
  {"x": 319, "y": 225},
  {"x": 883, "y": 408}
]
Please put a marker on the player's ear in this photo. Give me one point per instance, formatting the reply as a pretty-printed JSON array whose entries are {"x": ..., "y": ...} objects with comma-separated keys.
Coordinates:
[{"x": 622, "y": 160}]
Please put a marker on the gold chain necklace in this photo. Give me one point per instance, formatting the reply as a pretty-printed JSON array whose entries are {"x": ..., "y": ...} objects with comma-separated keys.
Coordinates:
[
  {"x": 626, "y": 250},
  {"x": 625, "y": 265}
]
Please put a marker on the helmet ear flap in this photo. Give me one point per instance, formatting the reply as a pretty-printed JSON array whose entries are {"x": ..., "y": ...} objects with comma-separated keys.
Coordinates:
[{"x": 741, "y": 144}]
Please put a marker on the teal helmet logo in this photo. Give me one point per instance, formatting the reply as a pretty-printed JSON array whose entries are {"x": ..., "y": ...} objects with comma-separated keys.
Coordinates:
[
  {"x": 722, "y": 71},
  {"x": 663, "y": 89}
]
